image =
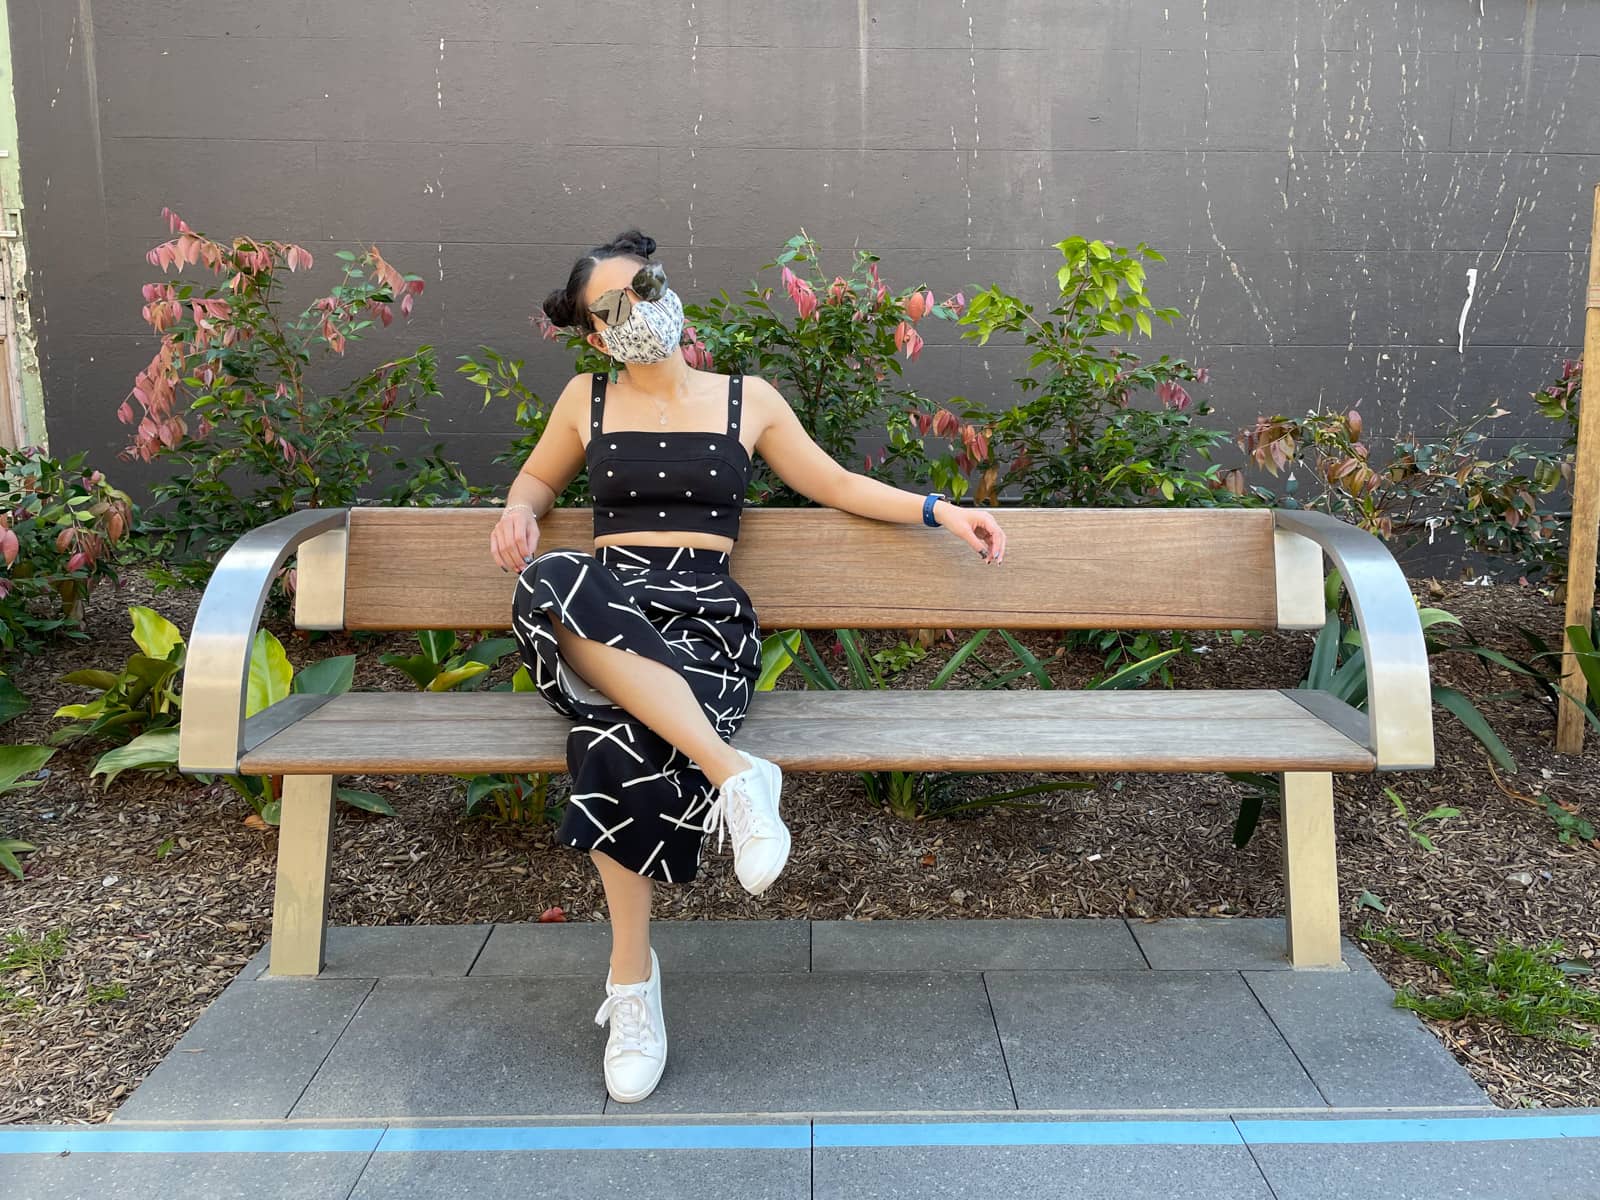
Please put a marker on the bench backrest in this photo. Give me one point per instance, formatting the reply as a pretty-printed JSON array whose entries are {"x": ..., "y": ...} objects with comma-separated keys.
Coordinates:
[{"x": 818, "y": 568}]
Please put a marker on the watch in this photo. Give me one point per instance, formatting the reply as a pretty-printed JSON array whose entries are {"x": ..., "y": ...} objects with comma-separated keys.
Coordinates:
[{"x": 927, "y": 507}]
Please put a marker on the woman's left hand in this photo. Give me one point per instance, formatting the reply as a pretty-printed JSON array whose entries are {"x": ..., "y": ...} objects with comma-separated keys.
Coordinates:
[{"x": 975, "y": 527}]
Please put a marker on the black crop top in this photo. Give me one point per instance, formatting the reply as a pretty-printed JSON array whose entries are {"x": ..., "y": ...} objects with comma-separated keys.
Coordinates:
[{"x": 644, "y": 479}]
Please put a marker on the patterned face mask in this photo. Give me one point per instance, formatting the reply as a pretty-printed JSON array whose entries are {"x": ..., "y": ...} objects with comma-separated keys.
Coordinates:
[{"x": 651, "y": 333}]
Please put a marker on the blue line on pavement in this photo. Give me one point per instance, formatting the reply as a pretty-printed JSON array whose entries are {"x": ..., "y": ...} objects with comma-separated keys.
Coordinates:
[
  {"x": 797, "y": 1135},
  {"x": 1031, "y": 1133},
  {"x": 95, "y": 1140},
  {"x": 1420, "y": 1129}
]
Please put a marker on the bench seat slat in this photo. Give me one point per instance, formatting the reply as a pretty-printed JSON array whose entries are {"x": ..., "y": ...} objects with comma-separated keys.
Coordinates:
[{"x": 1026, "y": 730}]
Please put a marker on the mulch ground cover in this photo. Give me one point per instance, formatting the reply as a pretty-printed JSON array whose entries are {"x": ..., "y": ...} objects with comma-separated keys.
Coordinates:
[{"x": 164, "y": 891}]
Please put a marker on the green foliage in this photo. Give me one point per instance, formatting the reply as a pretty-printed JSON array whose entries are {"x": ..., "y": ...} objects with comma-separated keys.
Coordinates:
[
  {"x": 1441, "y": 814},
  {"x": 1078, "y": 440},
  {"x": 16, "y": 762},
  {"x": 58, "y": 524},
  {"x": 142, "y": 698},
  {"x": 246, "y": 374},
  {"x": 501, "y": 379},
  {"x": 444, "y": 665},
  {"x": 1525, "y": 989},
  {"x": 520, "y": 798}
]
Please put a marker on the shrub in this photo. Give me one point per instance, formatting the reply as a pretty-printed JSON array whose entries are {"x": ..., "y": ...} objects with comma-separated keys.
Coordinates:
[
  {"x": 58, "y": 524},
  {"x": 230, "y": 391}
]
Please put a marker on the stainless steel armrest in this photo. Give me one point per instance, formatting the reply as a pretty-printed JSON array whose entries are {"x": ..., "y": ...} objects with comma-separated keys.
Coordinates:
[
  {"x": 216, "y": 667},
  {"x": 1399, "y": 692}
]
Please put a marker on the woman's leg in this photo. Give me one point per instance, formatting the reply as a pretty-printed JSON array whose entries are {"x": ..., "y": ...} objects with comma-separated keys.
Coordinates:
[
  {"x": 628, "y": 896},
  {"x": 657, "y": 695}
]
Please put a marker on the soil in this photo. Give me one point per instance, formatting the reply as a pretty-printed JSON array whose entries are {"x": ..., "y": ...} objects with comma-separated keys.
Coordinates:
[{"x": 165, "y": 891}]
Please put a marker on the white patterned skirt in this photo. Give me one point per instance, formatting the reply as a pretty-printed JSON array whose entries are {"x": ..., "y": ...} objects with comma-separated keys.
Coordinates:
[{"x": 636, "y": 796}]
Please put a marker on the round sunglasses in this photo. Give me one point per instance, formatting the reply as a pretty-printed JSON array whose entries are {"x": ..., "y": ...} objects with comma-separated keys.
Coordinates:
[{"x": 614, "y": 307}]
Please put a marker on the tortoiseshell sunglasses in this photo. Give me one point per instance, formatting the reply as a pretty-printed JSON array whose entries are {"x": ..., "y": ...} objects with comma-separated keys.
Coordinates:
[{"x": 614, "y": 307}]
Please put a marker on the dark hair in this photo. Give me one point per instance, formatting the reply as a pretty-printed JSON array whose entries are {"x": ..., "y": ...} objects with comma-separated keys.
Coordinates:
[{"x": 565, "y": 306}]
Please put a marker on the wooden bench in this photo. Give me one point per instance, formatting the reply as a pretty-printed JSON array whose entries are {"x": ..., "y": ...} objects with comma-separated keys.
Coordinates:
[{"x": 819, "y": 568}]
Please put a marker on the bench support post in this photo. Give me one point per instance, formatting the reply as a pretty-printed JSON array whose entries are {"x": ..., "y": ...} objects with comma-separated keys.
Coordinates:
[
  {"x": 1310, "y": 872},
  {"x": 305, "y": 852}
]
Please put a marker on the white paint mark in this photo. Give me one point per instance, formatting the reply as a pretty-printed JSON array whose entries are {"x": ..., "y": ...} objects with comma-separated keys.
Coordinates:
[
  {"x": 438, "y": 76},
  {"x": 1461, "y": 327}
]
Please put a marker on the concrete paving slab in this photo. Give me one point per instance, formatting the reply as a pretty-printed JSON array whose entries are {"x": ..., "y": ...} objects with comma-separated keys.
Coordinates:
[
  {"x": 250, "y": 1054},
  {"x": 584, "y": 948},
  {"x": 827, "y": 1042},
  {"x": 376, "y": 951},
  {"x": 466, "y": 1048},
  {"x": 1227, "y": 944},
  {"x": 589, "y": 1175},
  {"x": 1358, "y": 1048},
  {"x": 1004, "y": 1172},
  {"x": 1072, "y": 944},
  {"x": 170, "y": 1176},
  {"x": 1142, "y": 1040}
]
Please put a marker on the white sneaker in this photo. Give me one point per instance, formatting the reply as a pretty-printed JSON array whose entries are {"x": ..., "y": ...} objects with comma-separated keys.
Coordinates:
[
  {"x": 747, "y": 804},
  {"x": 636, "y": 1051}
]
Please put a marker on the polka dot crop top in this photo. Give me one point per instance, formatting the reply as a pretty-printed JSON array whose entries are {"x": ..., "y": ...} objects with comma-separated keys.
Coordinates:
[{"x": 645, "y": 479}]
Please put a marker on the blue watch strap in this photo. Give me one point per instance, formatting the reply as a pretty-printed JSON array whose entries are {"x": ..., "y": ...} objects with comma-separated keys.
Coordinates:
[{"x": 927, "y": 507}]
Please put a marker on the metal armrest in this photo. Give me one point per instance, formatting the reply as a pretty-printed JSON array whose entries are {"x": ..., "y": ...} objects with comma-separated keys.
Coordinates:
[
  {"x": 1399, "y": 692},
  {"x": 217, "y": 664}
]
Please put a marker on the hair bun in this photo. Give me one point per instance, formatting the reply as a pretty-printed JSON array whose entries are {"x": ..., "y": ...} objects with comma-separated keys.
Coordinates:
[
  {"x": 633, "y": 242},
  {"x": 558, "y": 306}
]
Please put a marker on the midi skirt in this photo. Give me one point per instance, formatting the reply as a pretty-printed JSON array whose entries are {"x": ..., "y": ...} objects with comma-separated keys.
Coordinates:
[{"x": 636, "y": 796}]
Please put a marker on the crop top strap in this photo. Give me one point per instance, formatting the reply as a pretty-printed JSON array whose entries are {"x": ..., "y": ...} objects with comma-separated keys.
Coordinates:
[
  {"x": 597, "y": 417},
  {"x": 735, "y": 392}
]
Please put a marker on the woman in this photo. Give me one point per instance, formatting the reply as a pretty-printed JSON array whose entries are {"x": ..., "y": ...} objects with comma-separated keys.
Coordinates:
[{"x": 649, "y": 643}]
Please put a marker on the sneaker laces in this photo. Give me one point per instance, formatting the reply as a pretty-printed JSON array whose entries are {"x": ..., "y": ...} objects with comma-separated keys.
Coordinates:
[
  {"x": 743, "y": 817},
  {"x": 629, "y": 1015}
]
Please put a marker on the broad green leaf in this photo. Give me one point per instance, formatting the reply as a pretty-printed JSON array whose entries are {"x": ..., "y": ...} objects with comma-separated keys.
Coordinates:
[
  {"x": 148, "y": 751},
  {"x": 330, "y": 677},
  {"x": 270, "y": 673},
  {"x": 1469, "y": 716},
  {"x": 17, "y": 761},
  {"x": 101, "y": 680},
  {"x": 12, "y": 702},
  {"x": 155, "y": 635},
  {"x": 364, "y": 800},
  {"x": 445, "y": 680}
]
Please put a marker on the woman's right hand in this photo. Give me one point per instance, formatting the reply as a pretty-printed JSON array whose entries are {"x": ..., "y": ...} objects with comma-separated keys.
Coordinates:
[{"x": 514, "y": 540}]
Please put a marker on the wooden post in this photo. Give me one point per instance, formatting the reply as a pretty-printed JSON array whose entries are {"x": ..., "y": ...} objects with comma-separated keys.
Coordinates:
[{"x": 1585, "y": 506}]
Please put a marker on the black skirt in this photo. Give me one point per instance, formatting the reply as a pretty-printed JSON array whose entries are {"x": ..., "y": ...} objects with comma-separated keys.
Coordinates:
[{"x": 634, "y": 795}]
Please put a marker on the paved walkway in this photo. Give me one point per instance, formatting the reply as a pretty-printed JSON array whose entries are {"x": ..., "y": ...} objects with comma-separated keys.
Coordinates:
[{"x": 1092, "y": 1058}]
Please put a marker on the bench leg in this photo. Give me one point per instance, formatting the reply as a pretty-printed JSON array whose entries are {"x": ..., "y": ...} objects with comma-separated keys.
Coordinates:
[
  {"x": 305, "y": 851},
  {"x": 1310, "y": 872}
]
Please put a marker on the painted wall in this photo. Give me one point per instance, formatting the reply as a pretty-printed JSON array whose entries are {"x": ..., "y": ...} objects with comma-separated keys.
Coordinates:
[{"x": 1323, "y": 176}]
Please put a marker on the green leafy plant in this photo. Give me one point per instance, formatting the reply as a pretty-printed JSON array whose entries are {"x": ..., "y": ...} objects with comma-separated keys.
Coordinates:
[
  {"x": 1441, "y": 814},
  {"x": 58, "y": 525},
  {"x": 445, "y": 665},
  {"x": 1078, "y": 439},
  {"x": 500, "y": 378},
  {"x": 142, "y": 698},
  {"x": 1528, "y": 990},
  {"x": 16, "y": 762},
  {"x": 519, "y": 797},
  {"x": 231, "y": 390}
]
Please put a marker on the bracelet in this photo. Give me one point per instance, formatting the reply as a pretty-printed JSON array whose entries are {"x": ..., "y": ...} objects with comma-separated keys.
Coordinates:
[
  {"x": 927, "y": 507},
  {"x": 509, "y": 507}
]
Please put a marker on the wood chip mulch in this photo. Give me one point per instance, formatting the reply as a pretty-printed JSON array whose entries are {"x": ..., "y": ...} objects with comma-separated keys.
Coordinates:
[{"x": 170, "y": 932}]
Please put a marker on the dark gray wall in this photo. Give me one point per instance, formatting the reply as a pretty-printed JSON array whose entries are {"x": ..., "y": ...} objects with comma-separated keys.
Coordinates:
[{"x": 1321, "y": 174}]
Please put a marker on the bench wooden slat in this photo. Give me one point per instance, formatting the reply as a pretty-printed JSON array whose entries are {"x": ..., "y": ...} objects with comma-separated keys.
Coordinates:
[
  {"x": 1029, "y": 730},
  {"x": 1065, "y": 568}
]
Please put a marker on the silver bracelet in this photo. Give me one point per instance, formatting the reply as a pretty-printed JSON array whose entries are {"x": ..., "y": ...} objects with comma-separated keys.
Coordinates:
[{"x": 509, "y": 507}]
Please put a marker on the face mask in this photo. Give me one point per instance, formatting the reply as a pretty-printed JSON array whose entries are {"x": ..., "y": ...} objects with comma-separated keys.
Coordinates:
[{"x": 651, "y": 333}]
